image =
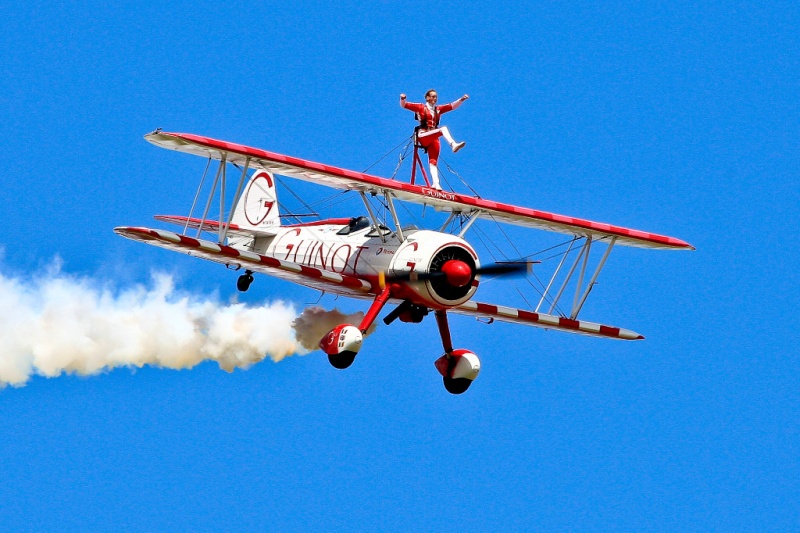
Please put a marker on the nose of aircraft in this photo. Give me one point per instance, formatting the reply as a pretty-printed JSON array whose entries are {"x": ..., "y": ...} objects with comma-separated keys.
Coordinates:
[{"x": 458, "y": 272}]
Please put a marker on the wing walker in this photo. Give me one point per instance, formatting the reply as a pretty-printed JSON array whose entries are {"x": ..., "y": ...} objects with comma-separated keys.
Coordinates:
[{"x": 415, "y": 271}]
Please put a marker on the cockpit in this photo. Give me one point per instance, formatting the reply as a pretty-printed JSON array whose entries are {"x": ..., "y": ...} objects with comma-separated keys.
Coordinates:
[
  {"x": 358, "y": 223},
  {"x": 355, "y": 224}
]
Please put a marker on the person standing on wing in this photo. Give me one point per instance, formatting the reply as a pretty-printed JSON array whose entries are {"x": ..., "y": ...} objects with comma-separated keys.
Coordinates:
[{"x": 429, "y": 131}]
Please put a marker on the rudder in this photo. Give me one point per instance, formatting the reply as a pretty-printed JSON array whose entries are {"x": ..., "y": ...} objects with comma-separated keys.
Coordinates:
[{"x": 257, "y": 208}]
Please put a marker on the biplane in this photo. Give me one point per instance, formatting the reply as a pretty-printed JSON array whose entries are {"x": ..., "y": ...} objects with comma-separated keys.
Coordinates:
[{"x": 417, "y": 271}]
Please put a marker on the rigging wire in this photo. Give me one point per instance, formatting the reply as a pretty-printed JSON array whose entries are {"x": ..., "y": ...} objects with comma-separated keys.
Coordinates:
[
  {"x": 402, "y": 156},
  {"x": 480, "y": 230},
  {"x": 196, "y": 196},
  {"x": 298, "y": 198},
  {"x": 331, "y": 201},
  {"x": 342, "y": 196},
  {"x": 413, "y": 217},
  {"x": 456, "y": 174},
  {"x": 404, "y": 141},
  {"x": 505, "y": 235},
  {"x": 523, "y": 297},
  {"x": 480, "y": 234},
  {"x": 483, "y": 237},
  {"x": 576, "y": 238}
]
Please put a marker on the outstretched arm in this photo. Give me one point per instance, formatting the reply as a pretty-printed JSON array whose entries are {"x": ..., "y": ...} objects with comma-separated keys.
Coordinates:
[
  {"x": 453, "y": 105},
  {"x": 416, "y": 108}
]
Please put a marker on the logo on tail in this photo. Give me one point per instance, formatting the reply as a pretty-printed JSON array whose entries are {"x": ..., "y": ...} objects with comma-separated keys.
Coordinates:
[{"x": 257, "y": 207}]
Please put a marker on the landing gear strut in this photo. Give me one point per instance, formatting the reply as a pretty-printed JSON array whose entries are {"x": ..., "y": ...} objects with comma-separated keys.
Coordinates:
[{"x": 244, "y": 281}]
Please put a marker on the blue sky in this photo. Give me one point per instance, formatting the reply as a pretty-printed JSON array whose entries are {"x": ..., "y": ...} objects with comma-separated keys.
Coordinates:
[{"x": 678, "y": 119}]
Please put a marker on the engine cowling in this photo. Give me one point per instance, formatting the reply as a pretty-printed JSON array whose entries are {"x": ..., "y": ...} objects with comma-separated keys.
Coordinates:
[{"x": 430, "y": 251}]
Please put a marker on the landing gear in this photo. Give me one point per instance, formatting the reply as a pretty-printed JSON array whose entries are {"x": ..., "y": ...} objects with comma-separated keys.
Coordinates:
[
  {"x": 244, "y": 281},
  {"x": 343, "y": 342},
  {"x": 458, "y": 368}
]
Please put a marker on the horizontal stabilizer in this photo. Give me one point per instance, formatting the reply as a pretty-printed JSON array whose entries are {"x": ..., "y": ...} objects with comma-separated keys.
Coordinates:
[{"x": 212, "y": 226}]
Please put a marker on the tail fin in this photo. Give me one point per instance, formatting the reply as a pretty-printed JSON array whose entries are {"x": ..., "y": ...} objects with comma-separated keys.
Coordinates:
[{"x": 257, "y": 208}]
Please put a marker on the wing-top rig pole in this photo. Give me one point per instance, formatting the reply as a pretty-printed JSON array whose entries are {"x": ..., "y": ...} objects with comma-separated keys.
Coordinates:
[{"x": 418, "y": 161}]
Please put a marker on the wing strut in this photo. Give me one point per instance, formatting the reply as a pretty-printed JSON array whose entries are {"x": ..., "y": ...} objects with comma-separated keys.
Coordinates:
[
  {"x": 220, "y": 170},
  {"x": 220, "y": 178},
  {"x": 473, "y": 216},
  {"x": 388, "y": 196},
  {"x": 581, "y": 291},
  {"x": 588, "y": 248},
  {"x": 555, "y": 274},
  {"x": 450, "y": 218},
  {"x": 577, "y": 309},
  {"x": 224, "y": 233},
  {"x": 196, "y": 196},
  {"x": 372, "y": 216}
]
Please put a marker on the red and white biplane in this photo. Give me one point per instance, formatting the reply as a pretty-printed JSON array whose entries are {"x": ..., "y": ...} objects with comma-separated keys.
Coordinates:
[{"x": 418, "y": 271}]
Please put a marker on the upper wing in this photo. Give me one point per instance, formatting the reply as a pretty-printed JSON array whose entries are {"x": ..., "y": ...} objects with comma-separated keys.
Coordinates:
[
  {"x": 530, "y": 318},
  {"x": 347, "y": 179},
  {"x": 315, "y": 278}
]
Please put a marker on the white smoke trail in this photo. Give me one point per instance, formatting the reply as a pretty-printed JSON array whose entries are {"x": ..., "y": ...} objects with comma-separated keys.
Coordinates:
[{"x": 55, "y": 323}]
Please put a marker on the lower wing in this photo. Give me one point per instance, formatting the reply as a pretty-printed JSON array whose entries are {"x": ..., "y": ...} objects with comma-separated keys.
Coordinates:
[
  {"x": 530, "y": 318},
  {"x": 315, "y": 278}
]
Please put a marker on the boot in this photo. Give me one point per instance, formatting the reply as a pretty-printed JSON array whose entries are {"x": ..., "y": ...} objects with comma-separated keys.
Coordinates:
[
  {"x": 454, "y": 146},
  {"x": 435, "y": 178}
]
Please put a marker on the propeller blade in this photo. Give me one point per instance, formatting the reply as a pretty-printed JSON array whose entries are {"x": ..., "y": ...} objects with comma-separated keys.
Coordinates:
[
  {"x": 505, "y": 268},
  {"x": 455, "y": 271}
]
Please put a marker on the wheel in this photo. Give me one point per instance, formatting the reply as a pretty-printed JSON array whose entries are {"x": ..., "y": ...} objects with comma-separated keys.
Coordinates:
[
  {"x": 244, "y": 281},
  {"x": 457, "y": 385},
  {"x": 342, "y": 360}
]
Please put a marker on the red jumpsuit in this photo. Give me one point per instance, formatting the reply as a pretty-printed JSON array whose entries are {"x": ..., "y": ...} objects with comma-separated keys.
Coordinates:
[{"x": 429, "y": 131}]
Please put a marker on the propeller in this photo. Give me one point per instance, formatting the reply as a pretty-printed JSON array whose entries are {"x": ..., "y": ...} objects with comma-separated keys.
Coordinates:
[{"x": 458, "y": 273}]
